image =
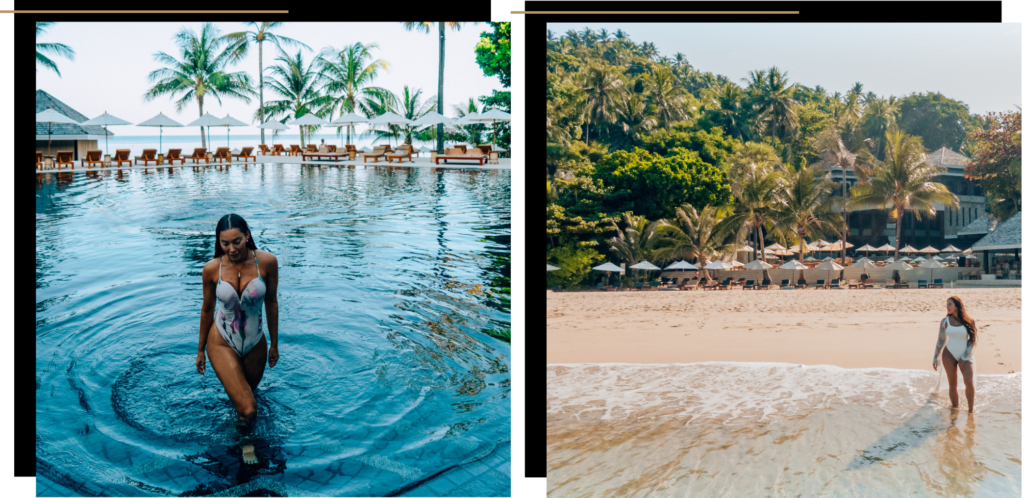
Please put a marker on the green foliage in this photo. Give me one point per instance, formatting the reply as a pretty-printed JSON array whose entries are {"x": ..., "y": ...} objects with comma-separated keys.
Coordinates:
[
  {"x": 996, "y": 164},
  {"x": 653, "y": 185},
  {"x": 574, "y": 265},
  {"x": 494, "y": 53},
  {"x": 938, "y": 120},
  {"x": 567, "y": 62},
  {"x": 501, "y": 100},
  {"x": 712, "y": 147}
]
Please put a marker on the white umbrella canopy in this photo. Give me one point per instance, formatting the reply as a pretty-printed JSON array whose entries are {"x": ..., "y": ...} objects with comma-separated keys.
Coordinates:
[
  {"x": 105, "y": 120},
  {"x": 644, "y": 265},
  {"x": 967, "y": 251},
  {"x": 160, "y": 120},
  {"x": 736, "y": 264},
  {"x": 719, "y": 265},
  {"x": 51, "y": 116},
  {"x": 794, "y": 265},
  {"x": 553, "y": 268},
  {"x": 206, "y": 120},
  {"x": 681, "y": 265},
  {"x": 929, "y": 249},
  {"x": 493, "y": 116},
  {"x": 830, "y": 266},
  {"x": 308, "y": 119},
  {"x": 863, "y": 263},
  {"x": 349, "y": 119},
  {"x": 905, "y": 258},
  {"x": 937, "y": 258},
  {"x": 919, "y": 258},
  {"x": 468, "y": 119},
  {"x": 886, "y": 247},
  {"x": 931, "y": 265},
  {"x": 432, "y": 118},
  {"x": 228, "y": 122},
  {"x": 950, "y": 248},
  {"x": 273, "y": 124},
  {"x": 865, "y": 248},
  {"x": 757, "y": 264},
  {"x": 776, "y": 247},
  {"x": 890, "y": 260},
  {"x": 608, "y": 267},
  {"x": 909, "y": 249},
  {"x": 389, "y": 118},
  {"x": 898, "y": 265},
  {"x": 746, "y": 249}
]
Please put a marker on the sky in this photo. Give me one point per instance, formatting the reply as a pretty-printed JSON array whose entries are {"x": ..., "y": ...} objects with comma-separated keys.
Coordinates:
[
  {"x": 977, "y": 64},
  {"x": 113, "y": 60}
]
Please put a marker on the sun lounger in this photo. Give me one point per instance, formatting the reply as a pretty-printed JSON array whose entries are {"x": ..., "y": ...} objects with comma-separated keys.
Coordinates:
[
  {"x": 639, "y": 286},
  {"x": 399, "y": 154},
  {"x": 121, "y": 156},
  {"x": 835, "y": 284},
  {"x": 279, "y": 150},
  {"x": 600, "y": 286},
  {"x": 336, "y": 156},
  {"x": 222, "y": 154},
  {"x": 820, "y": 285},
  {"x": 785, "y": 284},
  {"x": 937, "y": 284},
  {"x": 39, "y": 159},
  {"x": 749, "y": 285},
  {"x": 675, "y": 281},
  {"x": 65, "y": 157},
  {"x": 458, "y": 154},
  {"x": 690, "y": 285},
  {"x": 725, "y": 285},
  {"x": 311, "y": 148},
  {"x": 378, "y": 152},
  {"x": 765, "y": 284},
  {"x": 801, "y": 284},
  {"x": 891, "y": 284},
  {"x": 174, "y": 155},
  {"x": 867, "y": 284},
  {"x": 408, "y": 147},
  {"x": 295, "y": 150},
  {"x": 92, "y": 157},
  {"x": 333, "y": 148},
  {"x": 246, "y": 154},
  {"x": 266, "y": 151},
  {"x": 147, "y": 156},
  {"x": 198, "y": 154},
  {"x": 922, "y": 284}
]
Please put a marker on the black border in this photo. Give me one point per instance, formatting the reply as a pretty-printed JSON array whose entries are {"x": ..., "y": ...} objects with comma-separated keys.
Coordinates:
[
  {"x": 24, "y": 108},
  {"x": 535, "y": 77}
]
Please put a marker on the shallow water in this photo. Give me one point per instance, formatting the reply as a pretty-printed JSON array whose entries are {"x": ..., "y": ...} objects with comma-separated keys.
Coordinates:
[
  {"x": 393, "y": 332},
  {"x": 775, "y": 429}
]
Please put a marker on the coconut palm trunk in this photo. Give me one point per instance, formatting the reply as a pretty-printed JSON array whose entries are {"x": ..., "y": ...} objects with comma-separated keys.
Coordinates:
[
  {"x": 263, "y": 138},
  {"x": 899, "y": 224},
  {"x": 440, "y": 87},
  {"x": 201, "y": 128}
]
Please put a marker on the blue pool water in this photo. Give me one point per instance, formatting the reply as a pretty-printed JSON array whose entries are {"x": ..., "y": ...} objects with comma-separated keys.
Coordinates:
[{"x": 393, "y": 378}]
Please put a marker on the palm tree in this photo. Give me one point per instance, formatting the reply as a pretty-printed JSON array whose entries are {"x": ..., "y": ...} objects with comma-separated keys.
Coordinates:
[
  {"x": 604, "y": 86},
  {"x": 807, "y": 206},
  {"x": 757, "y": 196},
  {"x": 50, "y": 48},
  {"x": 473, "y": 132},
  {"x": 425, "y": 28},
  {"x": 691, "y": 235},
  {"x": 775, "y": 105},
  {"x": 668, "y": 98},
  {"x": 295, "y": 81},
  {"x": 635, "y": 117},
  {"x": 620, "y": 34},
  {"x": 727, "y": 111},
  {"x": 879, "y": 116},
  {"x": 240, "y": 41},
  {"x": 648, "y": 51},
  {"x": 347, "y": 73},
  {"x": 833, "y": 154},
  {"x": 412, "y": 107},
  {"x": 632, "y": 239},
  {"x": 903, "y": 181},
  {"x": 199, "y": 73}
]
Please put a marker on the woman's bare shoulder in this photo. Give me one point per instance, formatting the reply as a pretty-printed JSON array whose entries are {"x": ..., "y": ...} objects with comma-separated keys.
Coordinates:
[
  {"x": 210, "y": 268},
  {"x": 268, "y": 257}
]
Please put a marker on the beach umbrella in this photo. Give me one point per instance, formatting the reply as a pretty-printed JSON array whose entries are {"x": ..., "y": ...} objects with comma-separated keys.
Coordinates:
[
  {"x": 757, "y": 264},
  {"x": 919, "y": 258},
  {"x": 308, "y": 119},
  {"x": 349, "y": 119},
  {"x": 206, "y": 120},
  {"x": 886, "y": 248},
  {"x": 553, "y": 268},
  {"x": 938, "y": 258},
  {"x": 830, "y": 266},
  {"x": 745, "y": 249},
  {"x": 967, "y": 251},
  {"x": 929, "y": 250},
  {"x": 897, "y": 266},
  {"x": 105, "y": 120},
  {"x": 389, "y": 119},
  {"x": 229, "y": 121},
  {"x": 905, "y": 258},
  {"x": 950, "y": 248},
  {"x": 865, "y": 248},
  {"x": 794, "y": 265},
  {"x": 50, "y": 116},
  {"x": 775, "y": 247},
  {"x": 608, "y": 267},
  {"x": 932, "y": 265},
  {"x": 718, "y": 265},
  {"x": 644, "y": 265},
  {"x": 681, "y": 265},
  {"x": 863, "y": 263},
  {"x": 970, "y": 256},
  {"x": 890, "y": 260},
  {"x": 796, "y": 248},
  {"x": 160, "y": 120},
  {"x": 493, "y": 116},
  {"x": 273, "y": 124},
  {"x": 909, "y": 249}
]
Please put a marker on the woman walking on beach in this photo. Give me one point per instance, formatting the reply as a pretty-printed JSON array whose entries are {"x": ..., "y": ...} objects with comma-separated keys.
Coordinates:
[
  {"x": 957, "y": 337},
  {"x": 238, "y": 349}
]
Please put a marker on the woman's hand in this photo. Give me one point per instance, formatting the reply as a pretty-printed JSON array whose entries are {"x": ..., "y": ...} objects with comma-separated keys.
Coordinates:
[
  {"x": 935, "y": 366},
  {"x": 273, "y": 356},
  {"x": 201, "y": 363}
]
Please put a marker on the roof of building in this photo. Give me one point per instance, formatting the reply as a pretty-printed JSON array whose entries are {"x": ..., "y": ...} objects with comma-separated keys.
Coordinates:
[
  {"x": 981, "y": 225},
  {"x": 1005, "y": 236},
  {"x": 946, "y": 157},
  {"x": 44, "y": 101}
]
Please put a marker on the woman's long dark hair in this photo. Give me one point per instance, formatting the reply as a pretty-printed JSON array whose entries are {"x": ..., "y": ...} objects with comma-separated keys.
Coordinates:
[
  {"x": 964, "y": 318},
  {"x": 228, "y": 222}
]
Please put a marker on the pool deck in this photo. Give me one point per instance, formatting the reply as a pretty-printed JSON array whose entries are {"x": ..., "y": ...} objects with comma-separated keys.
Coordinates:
[{"x": 416, "y": 162}]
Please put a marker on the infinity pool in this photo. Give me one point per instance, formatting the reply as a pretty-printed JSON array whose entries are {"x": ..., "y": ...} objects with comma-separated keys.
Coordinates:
[{"x": 393, "y": 377}]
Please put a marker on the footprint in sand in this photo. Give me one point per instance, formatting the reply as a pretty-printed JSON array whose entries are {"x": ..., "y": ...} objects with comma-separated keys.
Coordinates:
[
  {"x": 997, "y": 356},
  {"x": 833, "y": 326},
  {"x": 1000, "y": 363}
]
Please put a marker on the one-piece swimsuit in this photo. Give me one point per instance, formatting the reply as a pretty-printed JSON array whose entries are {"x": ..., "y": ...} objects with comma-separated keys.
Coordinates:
[{"x": 240, "y": 319}]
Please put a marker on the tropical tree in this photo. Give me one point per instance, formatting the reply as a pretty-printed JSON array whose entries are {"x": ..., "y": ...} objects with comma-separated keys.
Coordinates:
[
  {"x": 295, "y": 81},
  {"x": 239, "y": 47},
  {"x": 669, "y": 99},
  {"x": 833, "y": 154},
  {"x": 636, "y": 119},
  {"x": 691, "y": 234},
  {"x": 605, "y": 88},
  {"x": 775, "y": 105},
  {"x": 467, "y": 133},
  {"x": 806, "y": 207},
  {"x": 50, "y": 48},
  {"x": 996, "y": 162},
  {"x": 879, "y": 116},
  {"x": 757, "y": 196},
  {"x": 902, "y": 182},
  {"x": 346, "y": 74},
  {"x": 425, "y": 28},
  {"x": 412, "y": 106},
  {"x": 201, "y": 72},
  {"x": 631, "y": 242},
  {"x": 726, "y": 110}
]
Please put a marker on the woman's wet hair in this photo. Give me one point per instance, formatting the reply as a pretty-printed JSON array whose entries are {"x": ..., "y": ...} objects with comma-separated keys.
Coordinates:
[
  {"x": 964, "y": 318},
  {"x": 228, "y": 222}
]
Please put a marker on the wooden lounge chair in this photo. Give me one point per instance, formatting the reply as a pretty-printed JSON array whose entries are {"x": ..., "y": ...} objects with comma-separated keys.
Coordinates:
[
  {"x": 336, "y": 156},
  {"x": 461, "y": 146},
  {"x": 295, "y": 150},
  {"x": 785, "y": 284},
  {"x": 891, "y": 284},
  {"x": 147, "y": 156},
  {"x": 801, "y": 284},
  {"x": 65, "y": 157},
  {"x": 311, "y": 148},
  {"x": 765, "y": 284},
  {"x": 378, "y": 152},
  {"x": 458, "y": 154},
  {"x": 266, "y": 151},
  {"x": 867, "y": 284},
  {"x": 690, "y": 285},
  {"x": 399, "y": 154},
  {"x": 121, "y": 156},
  {"x": 937, "y": 284},
  {"x": 835, "y": 284},
  {"x": 279, "y": 150},
  {"x": 246, "y": 155},
  {"x": 92, "y": 157},
  {"x": 39, "y": 160},
  {"x": 174, "y": 155},
  {"x": 749, "y": 285},
  {"x": 922, "y": 284},
  {"x": 332, "y": 148},
  {"x": 821, "y": 285},
  {"x": 600, "y": 286},
  {"x": 222, "y": 154},
  {"x": 352, "y": 151},
  {"x": 198, "y": 154},
  {"x": 412, "y": 150},
  {"x": 726, "y": 284},
  {"x": 485, "y": 148},
  {"x": 638, "y": 286},
  {"x": 675, "y": 281}
]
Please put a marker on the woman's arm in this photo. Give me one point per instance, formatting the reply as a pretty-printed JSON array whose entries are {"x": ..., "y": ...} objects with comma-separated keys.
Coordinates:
[
  {"x": 270, "y": 300},
  {"x": 941, "y": 343},
  {"x": 209, "y": 306},
  {"x": 969, "y": 352}
]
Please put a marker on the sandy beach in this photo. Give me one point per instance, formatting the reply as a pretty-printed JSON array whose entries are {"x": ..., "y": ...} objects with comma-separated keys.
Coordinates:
[{"x": 848, "y": 329}]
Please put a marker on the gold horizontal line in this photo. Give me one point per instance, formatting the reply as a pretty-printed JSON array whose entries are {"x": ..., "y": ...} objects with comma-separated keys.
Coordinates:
[
  {"x": 656, "y": 12},
  {"x": 143, "y": 11}
]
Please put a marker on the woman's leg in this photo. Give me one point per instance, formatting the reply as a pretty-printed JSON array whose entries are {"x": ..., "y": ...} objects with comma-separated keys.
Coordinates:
[
  {"x": 255, "y": 362},
  {"x": 967, "y": 368},
  {"x": 949, "y": 363},
  {"x": 228, "y": 366}
]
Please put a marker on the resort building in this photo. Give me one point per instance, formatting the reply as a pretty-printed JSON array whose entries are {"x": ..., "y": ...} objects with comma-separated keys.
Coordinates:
[
  {"x": 64, "y": 137},
  {"x": 876, "y": 227},
  {"x": 999, "y": 251}
]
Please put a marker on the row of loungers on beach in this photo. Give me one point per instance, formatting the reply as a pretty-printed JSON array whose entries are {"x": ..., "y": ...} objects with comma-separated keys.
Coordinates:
[
  {"x": 122, "y": 156},
  {"x": 729, "y": 283}
]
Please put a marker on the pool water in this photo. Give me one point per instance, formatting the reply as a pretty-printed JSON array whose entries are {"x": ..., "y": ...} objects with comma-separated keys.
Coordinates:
[{"x": 393, "y": 378}]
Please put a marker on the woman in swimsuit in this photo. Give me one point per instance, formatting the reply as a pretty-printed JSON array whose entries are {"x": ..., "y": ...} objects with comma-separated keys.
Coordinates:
[
  {"x": 958, "y": 334},
  {"x": 237, "y": 347}
]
